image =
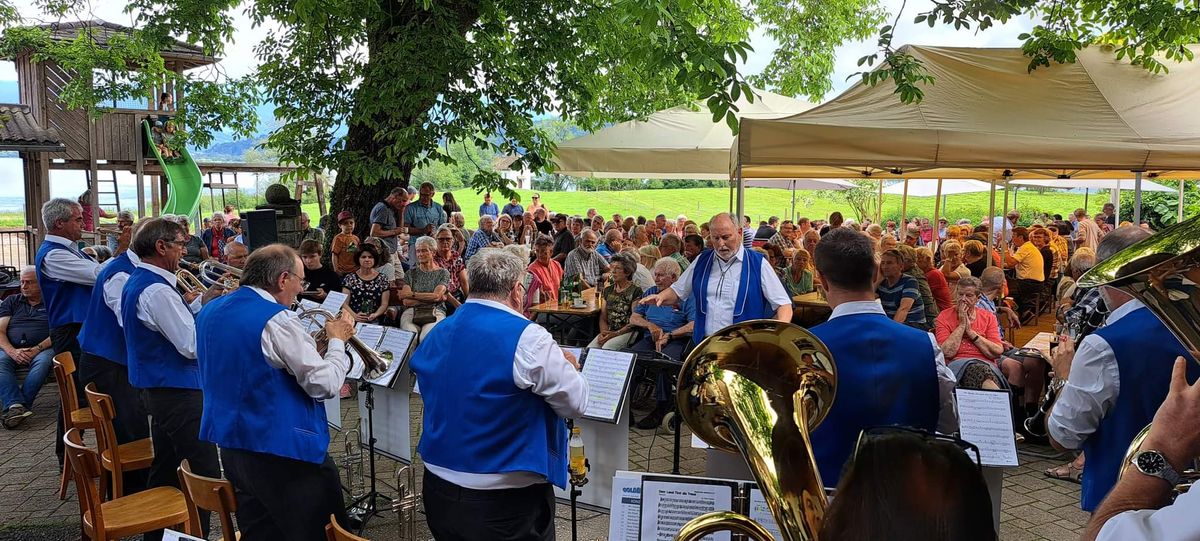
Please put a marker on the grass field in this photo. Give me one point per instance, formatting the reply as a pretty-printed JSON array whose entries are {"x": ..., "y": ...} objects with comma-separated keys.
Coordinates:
[{"x": 701, "y": 203}]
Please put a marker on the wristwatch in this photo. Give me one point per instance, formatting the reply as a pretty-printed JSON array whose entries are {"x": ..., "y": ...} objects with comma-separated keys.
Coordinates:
[{"x": 1154, "y": 464}]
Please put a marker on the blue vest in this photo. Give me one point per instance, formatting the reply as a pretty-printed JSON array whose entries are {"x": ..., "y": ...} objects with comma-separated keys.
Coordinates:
[
  {"x": 248, "y": 403},
  {"x": 101, "y": 334},
  {"x": 152, "y": 359},
  {"x": 1145, "y": 350},
  {"x": 751, "y": 303},
  {"x": 476, "y": 419},
  {"x": 886, "y": 376},
  {"x": 66, "y": 302}
]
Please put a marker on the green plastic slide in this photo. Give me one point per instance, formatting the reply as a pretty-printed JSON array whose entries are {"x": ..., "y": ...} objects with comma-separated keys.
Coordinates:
[{"x": 183, "y": 177}]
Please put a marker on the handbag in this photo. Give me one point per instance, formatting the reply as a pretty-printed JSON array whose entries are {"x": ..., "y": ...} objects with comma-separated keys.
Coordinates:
[{"x": 423, "y": 315}]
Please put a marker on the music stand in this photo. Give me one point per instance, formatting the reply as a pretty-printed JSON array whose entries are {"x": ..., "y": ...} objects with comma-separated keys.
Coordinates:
[{"x": 661, "y": 363}]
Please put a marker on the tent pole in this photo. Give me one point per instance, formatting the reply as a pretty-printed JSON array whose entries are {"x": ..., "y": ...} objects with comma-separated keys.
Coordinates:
[
  {"x": 793, "y": 215},
  {"x": 879, "y": 204},
  {"x": 904, "y": 204},
  {"x": 732, "y": 187},
  {"x": 1004, "y": 216},
  {"x": 937, "y": 210},
  {"x": 1115, "y": 197},
  {"x": 1180, "y": 217},
  {"x": 741, "y": 198},
  {"x": 992, "y": 213},
  {"x": 1137, "y": 199},
  {"x": 1085, "y": 198}
]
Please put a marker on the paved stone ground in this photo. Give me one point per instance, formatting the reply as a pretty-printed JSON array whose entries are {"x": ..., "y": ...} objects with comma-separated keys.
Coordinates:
[{"x": 1033, "y": 507}]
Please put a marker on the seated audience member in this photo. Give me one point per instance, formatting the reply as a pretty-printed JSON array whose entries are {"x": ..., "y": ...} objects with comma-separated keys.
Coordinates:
[
  {"x": 991, "y": 297},
  {"x": 547, "y": 273},
  {"x": 1140, "y": 506},
  {"x": 937, "y": 281},
  {"x": 952, "y": 267},
  {"x": 692, "y": 246},
  {"x": 485, "y": 236},
  {"x": 1041, "y": 240},
  {"x": 345, "y": 244},
  {"x": 906, "y": 486},
  {"x": 585, "y": 261},
  {"x": 319, "y": 278},
  {"x": 448, "y": 258},
  {"x": 391, "y": 273},
  {"x": 798, "y": 277},
  {"x": 1114, "y": 381},
  {"x": 667, "y": 330},
  {"x": 787, "y": 238},
  {"x": 672, "y": 246},
  {"x": 504, "y": 230},
  {"x": 873, "y": 353},
  {"x": 969, "y": 335},
  {"x": 367, "y": 288},
  {"x": 611, "y": 245},
  {"x": 1029, "y": 272},
  {"x": 810, "y": 240},
  {"x": 24, "y": 342},
  {"x": 195, "y": 252},
  {"x": 899, "y": 293},
  {"x": 620, "y": 294},
  {"x": 425, "y": 293},
  {"x": 910, "y": 268},
  {"x": 1081, "y": 262},
  {"x": 236, "y": 254},
  {"x": 647, "y": 256},
  {"x": 973, "y": 257},
  {"x": 565, "y": 231}
]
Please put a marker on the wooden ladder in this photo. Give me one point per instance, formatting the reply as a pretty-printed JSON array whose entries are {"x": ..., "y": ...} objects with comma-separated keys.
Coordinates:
[
  {"x": 102, "y": 188},
  {"x": 305, "y": 180}
]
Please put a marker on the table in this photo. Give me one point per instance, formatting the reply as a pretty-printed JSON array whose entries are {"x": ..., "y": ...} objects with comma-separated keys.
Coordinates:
[
  {"x": 1040, "y": 342},
  {"x": 810, "y": 309},
  {"x": 584, "y": 321}
]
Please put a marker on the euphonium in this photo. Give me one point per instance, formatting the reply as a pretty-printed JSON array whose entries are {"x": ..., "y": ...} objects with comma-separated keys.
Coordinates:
[
  {"x": 374, "y": 364},
  {"x": 759, "y": 387},
  {"x": 1163, "y": 272}
]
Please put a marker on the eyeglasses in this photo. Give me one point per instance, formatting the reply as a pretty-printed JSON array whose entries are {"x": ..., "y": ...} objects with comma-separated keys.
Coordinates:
[
  {"x": 444, "y": 239},
  {"x": 881, "y": 431}
]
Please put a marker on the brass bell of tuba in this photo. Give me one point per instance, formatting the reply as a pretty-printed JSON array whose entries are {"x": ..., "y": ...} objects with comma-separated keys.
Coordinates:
[
  {"x": 760, "y": 387},
  {"x": 1163, "y": 272}
]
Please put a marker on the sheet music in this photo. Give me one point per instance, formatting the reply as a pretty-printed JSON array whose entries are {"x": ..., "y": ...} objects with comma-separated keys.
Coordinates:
[
  {"x": 985, "y": 419},
  {"x": 396, "y": 342},
  {"x": 369, "y": 333},
  {"x": 306, "y": 304},
  {"x": 606, "y": 373},
  {"x": 172, "y": 535},
  {"x": 626, "y": 506},
  {"x": 577, "y": 352},
  {"x": 667, "y": 506},
  {"x": 334, "y": 301},
  {"x": 760, "y": 512}
]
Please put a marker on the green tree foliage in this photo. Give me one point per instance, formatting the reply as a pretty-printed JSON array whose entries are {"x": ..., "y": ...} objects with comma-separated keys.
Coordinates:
[{"x": 1161, "y": 209}]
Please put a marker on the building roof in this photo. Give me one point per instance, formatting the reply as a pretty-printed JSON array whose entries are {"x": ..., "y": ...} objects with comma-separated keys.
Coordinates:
[
  {"x": 504, "y": 163},
  {"x": 189, "y": 55},
  {"x": 20, "y": 131}
]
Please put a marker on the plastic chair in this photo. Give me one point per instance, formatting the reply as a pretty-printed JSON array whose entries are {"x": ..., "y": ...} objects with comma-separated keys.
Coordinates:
[
  {"x": 211, "y": 495},
  {"x": 145, "y": 511},
  {"x": 334, "y": 532},
  {"x": 115, "y": 458},
  {"x": 68, "y": 401}
]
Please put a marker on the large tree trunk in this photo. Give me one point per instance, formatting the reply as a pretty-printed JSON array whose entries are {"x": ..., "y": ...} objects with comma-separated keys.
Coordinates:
[{"x": 406, "y": 27}]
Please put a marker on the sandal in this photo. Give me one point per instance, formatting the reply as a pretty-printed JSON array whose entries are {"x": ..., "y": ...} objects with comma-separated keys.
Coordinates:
[{"x": 1065, "y": 472}]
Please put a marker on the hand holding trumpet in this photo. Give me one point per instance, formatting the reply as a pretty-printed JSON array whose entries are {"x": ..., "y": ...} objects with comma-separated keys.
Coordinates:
[{"x": 341, "y": 328}]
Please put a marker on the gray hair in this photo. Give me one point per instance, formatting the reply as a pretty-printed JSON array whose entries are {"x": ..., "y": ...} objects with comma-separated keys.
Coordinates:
[
  {"x": 28, "y": 268},
  {"x": 611, "y": 235},
  {"x": 542, "y": 241},
  {"x": 220, "y": 215},
  {"x": 426, "y": 241},
  {"x": 972, "y": 282},
  {"x": 305, "y": 215},
  {"x": 487, "y": 218},
  {"x": 125, "y": 215},
  {"x": 58, "y": 210},
  {"x": 443, "y": 227},
  {"x": 229, "y": 246},
  {"x": 1082, "y": 261},
  {"x": 519, "y": 250},
  {"x": 145, "y": 242},
  {"x": 494, "y": 273},
  {"x": 264, "y": 267},
  {"x": 457, "y": 214},
  {"x": 1119, "y": 239},
  {"x": 667, "y": 264},
  {"x": 992, "y": 279},
  {"x": 627, "y": 263}
]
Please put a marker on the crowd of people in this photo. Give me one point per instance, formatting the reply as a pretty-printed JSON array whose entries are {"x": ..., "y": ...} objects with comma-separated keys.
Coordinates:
[{"x": 918, "y": 309}]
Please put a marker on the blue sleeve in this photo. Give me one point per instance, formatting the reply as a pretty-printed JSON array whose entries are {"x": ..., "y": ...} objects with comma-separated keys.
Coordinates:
[
  {"x": 379, "y": 215},
  {"x": 911, "y": 290},
  {"x": 689, "y": 308}
]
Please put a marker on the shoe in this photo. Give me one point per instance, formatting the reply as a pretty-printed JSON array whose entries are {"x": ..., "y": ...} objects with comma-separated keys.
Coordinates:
[{"x": 15, "y": 415}]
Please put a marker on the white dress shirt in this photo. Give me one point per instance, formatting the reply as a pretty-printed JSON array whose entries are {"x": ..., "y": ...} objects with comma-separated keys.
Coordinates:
[
  {"x": 722, "y": 293},
  {"x": 539, "y": 366},
  {"x": 287, "y": 346},
  {"x": 1175, "y": 522},
  {"x": 161, "y": 309},
  {"x": 114, "y": 286},
  {"x": 947, "y": 407},
  {"x": 1091, "y": 388},
  {"x": 77, "y": 268}
]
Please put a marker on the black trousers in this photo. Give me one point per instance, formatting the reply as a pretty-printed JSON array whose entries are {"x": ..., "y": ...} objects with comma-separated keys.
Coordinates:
[
  {"x": 175, "y": 429},
  {"x": 456, "y": 513},
  {"x": 282, "y": 498},
  {"x": 65, "y": 338},
  {"x": 131, "y": 422}
]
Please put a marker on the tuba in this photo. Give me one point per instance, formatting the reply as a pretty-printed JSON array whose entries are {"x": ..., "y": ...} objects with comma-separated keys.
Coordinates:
[
  {"x": 760, "y": 387},
  {"x": 1163, "y": 272}
]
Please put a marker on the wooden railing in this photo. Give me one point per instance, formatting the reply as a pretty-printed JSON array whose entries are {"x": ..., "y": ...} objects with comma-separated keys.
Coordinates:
[{"x": 17, "y": 247}]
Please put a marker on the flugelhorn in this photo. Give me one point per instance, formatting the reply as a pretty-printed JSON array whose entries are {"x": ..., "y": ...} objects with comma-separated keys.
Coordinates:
[
  {"x": 1163, "y": 272},
  {"x": 760, "y": 387},
  {"x": 374, "y": 364},
  {"x": 188, "y": 283}
]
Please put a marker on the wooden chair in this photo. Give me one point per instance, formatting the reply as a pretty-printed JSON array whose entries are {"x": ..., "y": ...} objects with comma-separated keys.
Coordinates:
[
  {"x": 334, "y": 532},
  {"x": 145, "y": 511},
  {"x": 210, "y": 494},
  {"x": 116, "y": 459},
  {"x": 73, "y": 416}
]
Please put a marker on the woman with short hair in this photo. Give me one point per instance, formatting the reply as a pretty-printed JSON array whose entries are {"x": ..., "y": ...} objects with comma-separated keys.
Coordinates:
[
  {"x": 798, "y": 277},
  {"x": 366, "y": 288},
  {"x": 424, "y": 294},
  {"x": 620, "y": 295}
]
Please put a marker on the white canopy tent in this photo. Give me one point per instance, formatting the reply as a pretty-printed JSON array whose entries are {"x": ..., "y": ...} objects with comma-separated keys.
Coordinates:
[
  {"x": 927, "y": 188},
  {"x": 794, "y": 184}
]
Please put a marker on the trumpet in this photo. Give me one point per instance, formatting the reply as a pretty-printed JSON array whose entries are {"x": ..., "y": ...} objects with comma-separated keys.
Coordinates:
[
  {"x": 352, "y": 465},
  {"x": 188, "y": 283},
  {"x": 407, "y": 503},
  {"x": 228, "y": 276},
  {"x": 374, "y": 364}
]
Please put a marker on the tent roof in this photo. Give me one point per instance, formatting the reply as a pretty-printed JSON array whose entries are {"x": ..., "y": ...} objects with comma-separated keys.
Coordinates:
[
  {"x": 950, "y": 186},
  {"x": 1095, "y": 184},
  {"x": 800, "y": 183},
  {"x": 680, "y": 142},
  {"x": 986, "y": 113}
]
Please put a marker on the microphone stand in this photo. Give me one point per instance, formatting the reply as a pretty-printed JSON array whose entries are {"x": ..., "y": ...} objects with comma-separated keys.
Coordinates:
[{"x": 365, "y": 505}]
